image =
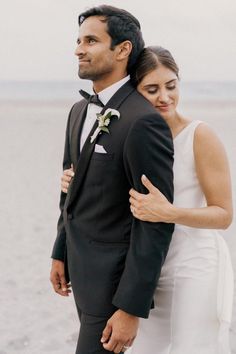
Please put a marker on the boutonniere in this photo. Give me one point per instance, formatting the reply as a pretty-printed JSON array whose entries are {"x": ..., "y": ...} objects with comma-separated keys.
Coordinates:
[{"x": 104, "y": 121}]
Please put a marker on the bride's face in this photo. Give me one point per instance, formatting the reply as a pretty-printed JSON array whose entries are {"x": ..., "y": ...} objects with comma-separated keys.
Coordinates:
[{"x": 161, "y": 88}]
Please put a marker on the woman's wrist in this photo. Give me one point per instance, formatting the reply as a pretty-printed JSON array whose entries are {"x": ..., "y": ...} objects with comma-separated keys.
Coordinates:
[{"x": 173, "y": 214}]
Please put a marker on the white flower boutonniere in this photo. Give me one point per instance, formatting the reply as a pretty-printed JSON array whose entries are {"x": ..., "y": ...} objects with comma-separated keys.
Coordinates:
[{"x": 104, "y": 121}]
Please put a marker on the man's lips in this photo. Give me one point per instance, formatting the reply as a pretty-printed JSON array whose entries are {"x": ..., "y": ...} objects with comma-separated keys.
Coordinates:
[{"x": 82, "y": 61}]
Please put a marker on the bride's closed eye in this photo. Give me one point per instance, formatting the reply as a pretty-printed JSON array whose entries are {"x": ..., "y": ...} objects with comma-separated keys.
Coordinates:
[
  {"x": 152, "y": 91},
  {"x": 172, "y": 87}
]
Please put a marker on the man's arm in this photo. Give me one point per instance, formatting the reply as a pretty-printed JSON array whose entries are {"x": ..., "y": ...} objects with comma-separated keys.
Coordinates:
[
  {"x": 57, "y": 276},
  {"x": 60, "y": 242},
  {"x": 148, "y": 150}
]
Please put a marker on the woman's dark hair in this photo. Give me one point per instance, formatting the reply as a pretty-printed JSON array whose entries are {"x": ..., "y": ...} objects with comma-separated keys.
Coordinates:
[
  {"x": 121, "y": 26},
  {"x": 149, "y": 59}
]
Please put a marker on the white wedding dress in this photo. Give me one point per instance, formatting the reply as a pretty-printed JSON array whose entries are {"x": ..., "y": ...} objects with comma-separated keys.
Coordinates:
[{"x": 193, "y": 299}]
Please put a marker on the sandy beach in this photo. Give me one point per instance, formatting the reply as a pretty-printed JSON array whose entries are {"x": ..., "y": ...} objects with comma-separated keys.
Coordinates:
[{"x": 33, "y": 319}]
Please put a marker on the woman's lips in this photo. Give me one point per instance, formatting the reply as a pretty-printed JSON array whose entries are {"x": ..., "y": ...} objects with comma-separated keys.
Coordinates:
[{"x": 164, "y": 107}]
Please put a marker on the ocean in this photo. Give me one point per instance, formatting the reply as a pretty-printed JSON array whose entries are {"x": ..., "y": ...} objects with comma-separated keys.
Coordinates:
[{"x": 69, "y": 90}]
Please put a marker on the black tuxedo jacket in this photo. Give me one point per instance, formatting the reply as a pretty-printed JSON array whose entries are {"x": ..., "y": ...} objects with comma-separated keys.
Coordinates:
[{"x": 114, "y": 260}]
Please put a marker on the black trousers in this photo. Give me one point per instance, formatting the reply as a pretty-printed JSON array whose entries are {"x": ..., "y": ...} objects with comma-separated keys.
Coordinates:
[{"x": 91, "y": 328}]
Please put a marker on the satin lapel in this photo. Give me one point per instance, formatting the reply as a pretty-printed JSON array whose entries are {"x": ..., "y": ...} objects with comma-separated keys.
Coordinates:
[
  {"x": 77, "y": 125},
  {"x": 88, "y": 147}
]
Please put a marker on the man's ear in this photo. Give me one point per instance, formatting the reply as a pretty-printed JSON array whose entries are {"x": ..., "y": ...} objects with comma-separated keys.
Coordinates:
[{"x": 123, "y": 50}]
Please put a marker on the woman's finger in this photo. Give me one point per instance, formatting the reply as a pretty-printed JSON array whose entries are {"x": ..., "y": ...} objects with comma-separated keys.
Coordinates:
[
  {"x": 148, "y": 184},
  {"x": 138, "y": 215},
  {"x": 135, "y": 194},
  {"x": 134, "y": 203},
  {"x": 66, "y": 178},
  {"x": 68, "y": 173},
  {"x": 65, "y": 184},
  {"x": 152, "y": 189},
  {"x": 118, "y": 348}
]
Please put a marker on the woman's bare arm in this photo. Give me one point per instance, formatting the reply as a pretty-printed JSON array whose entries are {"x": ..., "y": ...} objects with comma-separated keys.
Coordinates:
[{"x": 214, "y": 177}]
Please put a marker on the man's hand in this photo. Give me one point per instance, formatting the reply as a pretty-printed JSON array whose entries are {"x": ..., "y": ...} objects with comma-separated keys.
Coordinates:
[
  {"x": 57, "y": 278},
  {"x": 66, "y": 179},
  {"x": 120, "y": 331}
]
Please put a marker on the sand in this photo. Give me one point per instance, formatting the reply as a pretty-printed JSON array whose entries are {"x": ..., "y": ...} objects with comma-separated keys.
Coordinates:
[{"x": 33, "y": 319}]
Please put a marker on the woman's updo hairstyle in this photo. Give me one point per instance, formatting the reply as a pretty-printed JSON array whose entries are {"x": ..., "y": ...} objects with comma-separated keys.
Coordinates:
[{"x": 148, "y": 60}]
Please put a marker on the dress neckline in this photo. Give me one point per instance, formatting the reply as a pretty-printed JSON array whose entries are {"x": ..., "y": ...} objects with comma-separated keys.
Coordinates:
[{"x": 184, "y": 129}]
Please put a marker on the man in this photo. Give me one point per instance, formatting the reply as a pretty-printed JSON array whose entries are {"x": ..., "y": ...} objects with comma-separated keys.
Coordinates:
[{"x": 113, "y": 260}]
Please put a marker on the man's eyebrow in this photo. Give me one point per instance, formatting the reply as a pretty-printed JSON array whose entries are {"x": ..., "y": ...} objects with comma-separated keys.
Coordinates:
[{"x": 89, "y": 36}]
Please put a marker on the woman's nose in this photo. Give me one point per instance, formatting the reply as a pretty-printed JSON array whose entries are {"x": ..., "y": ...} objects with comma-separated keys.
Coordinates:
[{"x": 163, "y": 96}]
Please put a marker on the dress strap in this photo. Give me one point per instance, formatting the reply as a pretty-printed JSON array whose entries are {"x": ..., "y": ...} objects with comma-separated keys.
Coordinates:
[{"x": 186, "y": 136}]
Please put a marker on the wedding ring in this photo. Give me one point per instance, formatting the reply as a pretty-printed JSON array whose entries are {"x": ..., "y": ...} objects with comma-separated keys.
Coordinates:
[{"x": 125, "y": 347}]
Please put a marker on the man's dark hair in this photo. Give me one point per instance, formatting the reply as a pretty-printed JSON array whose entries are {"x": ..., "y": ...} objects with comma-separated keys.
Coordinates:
[{"x": 121, "y": 26}]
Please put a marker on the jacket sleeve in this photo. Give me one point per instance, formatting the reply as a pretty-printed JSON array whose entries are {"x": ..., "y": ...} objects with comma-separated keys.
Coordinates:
[
  {"x": 148, "y": 150},
  {"x": 60, "y": 242}
]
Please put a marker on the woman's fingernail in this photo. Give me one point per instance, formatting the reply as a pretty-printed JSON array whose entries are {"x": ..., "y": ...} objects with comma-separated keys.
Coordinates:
[{"x": 144, "y": 177}]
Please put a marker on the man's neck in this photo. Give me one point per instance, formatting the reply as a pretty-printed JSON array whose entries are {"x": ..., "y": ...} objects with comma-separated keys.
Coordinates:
[{"x": 102, "y": 84}]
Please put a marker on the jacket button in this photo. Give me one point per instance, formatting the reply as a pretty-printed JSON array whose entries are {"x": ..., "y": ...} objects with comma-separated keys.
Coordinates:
[{"x": 69, "y": 216}]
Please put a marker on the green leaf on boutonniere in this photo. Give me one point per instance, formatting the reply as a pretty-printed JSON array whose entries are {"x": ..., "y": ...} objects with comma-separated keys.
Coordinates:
[
  {"x": 104, "y": 121},
  {"x": 105, "y": 129}
]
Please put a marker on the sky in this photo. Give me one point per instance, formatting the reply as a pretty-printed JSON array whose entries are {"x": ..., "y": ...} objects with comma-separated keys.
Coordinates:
[{"x": 38, "y": 37}]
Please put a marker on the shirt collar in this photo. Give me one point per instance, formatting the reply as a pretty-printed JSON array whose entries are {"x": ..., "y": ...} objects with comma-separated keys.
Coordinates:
[{"x": 109, "y": 91}]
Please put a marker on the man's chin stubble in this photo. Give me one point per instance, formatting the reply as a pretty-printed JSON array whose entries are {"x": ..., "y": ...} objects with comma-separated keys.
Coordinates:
[{"x": 82, "y": 75}]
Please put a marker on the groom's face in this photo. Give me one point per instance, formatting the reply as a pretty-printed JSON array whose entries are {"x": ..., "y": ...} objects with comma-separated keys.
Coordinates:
[{"x": 97, "y": 60}]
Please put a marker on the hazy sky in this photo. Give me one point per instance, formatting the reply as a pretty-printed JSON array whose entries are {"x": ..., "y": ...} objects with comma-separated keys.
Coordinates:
[{"x": 38, "y": 37}]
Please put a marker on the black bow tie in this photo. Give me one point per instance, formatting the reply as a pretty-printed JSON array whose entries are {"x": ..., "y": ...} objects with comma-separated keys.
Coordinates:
[{"x": 91, "y": 98}]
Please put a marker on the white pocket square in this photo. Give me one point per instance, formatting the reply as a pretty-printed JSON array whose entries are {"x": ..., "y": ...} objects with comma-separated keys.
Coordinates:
[{"x": 100, "y": 149}]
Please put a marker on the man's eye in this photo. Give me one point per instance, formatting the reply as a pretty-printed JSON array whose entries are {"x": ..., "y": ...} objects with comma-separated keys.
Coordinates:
[
  {"x": 171, "y": 87},
  {"x": 91, "y": 41}
]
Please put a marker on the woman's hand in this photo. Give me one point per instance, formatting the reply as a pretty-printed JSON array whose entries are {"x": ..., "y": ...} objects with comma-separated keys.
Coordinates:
[
  {"x": 153, "y": 207},
  {"x": 66, "y": 179}
]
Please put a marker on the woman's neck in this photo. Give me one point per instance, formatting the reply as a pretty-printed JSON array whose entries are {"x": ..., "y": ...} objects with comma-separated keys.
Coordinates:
[{"x": 177, "y": 123}]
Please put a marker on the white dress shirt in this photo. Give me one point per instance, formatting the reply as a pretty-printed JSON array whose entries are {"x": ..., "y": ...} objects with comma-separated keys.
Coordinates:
[{"x": 93, "y": 109}]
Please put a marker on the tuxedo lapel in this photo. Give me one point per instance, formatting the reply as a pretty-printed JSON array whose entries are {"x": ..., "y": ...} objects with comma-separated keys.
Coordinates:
[
  {"x": 82, "y": 166},
  {"x": 88, "y": 148},
  {"x": 76, "y": 129}
]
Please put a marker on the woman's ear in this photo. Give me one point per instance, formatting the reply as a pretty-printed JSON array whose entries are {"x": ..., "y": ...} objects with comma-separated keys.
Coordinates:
[{"x": 123, "y": 50}]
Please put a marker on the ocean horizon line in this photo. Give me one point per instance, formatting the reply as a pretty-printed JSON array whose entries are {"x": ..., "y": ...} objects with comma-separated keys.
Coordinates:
[{"x": 69, "y": 90}]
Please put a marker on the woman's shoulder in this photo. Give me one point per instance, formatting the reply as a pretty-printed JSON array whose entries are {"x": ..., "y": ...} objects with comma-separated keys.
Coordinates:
[
  {"x": 206, "y": 141},
  {"x": 204, "y": 133}
]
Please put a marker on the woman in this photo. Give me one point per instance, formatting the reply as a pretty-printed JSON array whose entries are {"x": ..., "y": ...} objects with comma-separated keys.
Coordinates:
[{"x": 194, "y": 294}]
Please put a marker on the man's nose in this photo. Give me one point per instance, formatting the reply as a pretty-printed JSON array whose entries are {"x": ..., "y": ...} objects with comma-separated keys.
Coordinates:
[{"x": 79, "y": 50}]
